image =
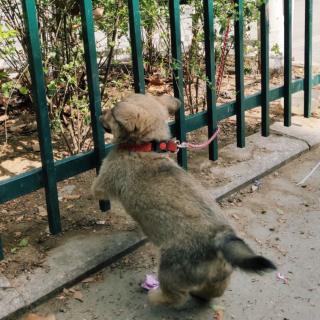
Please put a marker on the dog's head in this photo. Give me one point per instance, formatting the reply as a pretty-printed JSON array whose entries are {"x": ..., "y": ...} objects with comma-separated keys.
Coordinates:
[{"x": 140, "y": 118}]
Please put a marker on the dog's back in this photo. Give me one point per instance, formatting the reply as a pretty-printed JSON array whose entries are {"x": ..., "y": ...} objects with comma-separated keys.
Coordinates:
[
  {"x": 171, "y": 206},
  {"x": 198, "y": 247}
]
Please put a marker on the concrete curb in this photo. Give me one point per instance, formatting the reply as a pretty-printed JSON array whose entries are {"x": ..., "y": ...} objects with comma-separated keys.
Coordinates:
[
  {"x": 65, "y": 266},
  {"x": 235, "y": 169},
  {"x": 303, "y": 129},
  {"x": 260, "y": 157}
]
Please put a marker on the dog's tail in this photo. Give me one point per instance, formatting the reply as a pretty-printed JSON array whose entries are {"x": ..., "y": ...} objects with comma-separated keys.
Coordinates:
[{"x": 239, "y": 254}]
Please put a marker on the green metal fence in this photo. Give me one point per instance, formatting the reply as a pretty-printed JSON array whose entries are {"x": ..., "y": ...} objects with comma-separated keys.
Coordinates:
[{"x": 55, "y": 171}]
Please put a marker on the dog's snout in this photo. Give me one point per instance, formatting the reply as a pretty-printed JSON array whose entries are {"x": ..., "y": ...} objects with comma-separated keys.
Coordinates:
[{"x": 102, "y": 121}]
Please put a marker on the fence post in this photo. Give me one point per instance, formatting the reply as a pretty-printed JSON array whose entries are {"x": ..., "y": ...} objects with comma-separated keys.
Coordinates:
[
  {"x": 208, "y": 7},
  {"x": 265, "y": 75},
  {"x": 239, "y": 61},
  {"x": 180, "y": 126},
  {"x": 39, "y": 99},
  {"x": 1, "y": 250},
  {"x": 308, "y": 59},
  {"x": 93, "y": 86},
  {"x": 136, "y": 46},
  {"x": 287, "y": 62}
]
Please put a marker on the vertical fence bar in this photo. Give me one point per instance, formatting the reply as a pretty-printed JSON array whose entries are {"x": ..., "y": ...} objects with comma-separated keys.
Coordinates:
[
  {"x": 174, "y": 8},
  {"x": 208, "y": 13},
  {"x": 93, "y": 85},
  {"x": 1, "y": 250},
  {"x": 265, "y": 84},
  {"x": 308, "y": 58},
  {"x": 136, "y": 45},
  {"x": 39, "y": 98},
  {"x": 239, "y": 61},
  {"x": 287, "y": 62}
]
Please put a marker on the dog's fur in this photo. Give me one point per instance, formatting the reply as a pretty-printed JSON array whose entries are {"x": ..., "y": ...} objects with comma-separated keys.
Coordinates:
[{"x": 199, "y": 250}]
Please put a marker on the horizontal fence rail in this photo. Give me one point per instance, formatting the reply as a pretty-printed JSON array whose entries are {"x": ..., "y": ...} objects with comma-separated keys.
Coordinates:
[{"x": 52, "y": 172}]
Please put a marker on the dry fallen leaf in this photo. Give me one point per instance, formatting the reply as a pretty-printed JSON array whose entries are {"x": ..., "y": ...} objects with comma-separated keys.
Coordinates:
[
  {"x": 279, "y": 211},
  {"x": 282, "y": 251},
  {"x": 78, "y": 296},
  {"x": 156, "y": 81},
  {"x": 234, "y": 216},
  {"x": 88, "y": 280},
  {"x": 4, "y": 118},
  {"x": 65, "y": 291},
  {"x": 98, "y": 13},
  {"x": 42, "y": 212},
  {"x": 33, "y": 316},
  {"x": 71, "y": 196},
  {"x": 101, "y": 222},
  {"x": 17, "y": 129},
  {"x": 36, "y": 147},
  {"x": 157, "y": 89}
]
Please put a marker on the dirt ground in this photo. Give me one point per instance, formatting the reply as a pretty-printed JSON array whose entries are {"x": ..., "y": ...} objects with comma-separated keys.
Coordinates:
[{"x": 278, "y": 219}]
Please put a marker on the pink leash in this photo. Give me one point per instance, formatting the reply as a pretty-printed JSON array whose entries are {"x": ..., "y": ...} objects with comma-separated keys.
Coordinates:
[{"x": 198, "y": 146}]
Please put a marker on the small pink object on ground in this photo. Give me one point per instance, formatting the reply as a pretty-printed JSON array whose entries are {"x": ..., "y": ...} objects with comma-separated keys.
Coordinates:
[
  {"x": 150, "y": 282},
  {"x": 282, "y": 277}
]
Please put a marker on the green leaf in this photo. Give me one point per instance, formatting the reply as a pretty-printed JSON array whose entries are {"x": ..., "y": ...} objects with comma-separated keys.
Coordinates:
[
  {"x": 13, "y": 250},
  {"x": 52, "y": 54},
  {"x": 3, "y": 75},
  {"x": 24, "y": 90},
  {"x": 24, "y": 242}
]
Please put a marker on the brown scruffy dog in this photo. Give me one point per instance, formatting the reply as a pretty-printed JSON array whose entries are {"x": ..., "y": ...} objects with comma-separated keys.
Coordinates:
[{"x": 199, "y": 249}]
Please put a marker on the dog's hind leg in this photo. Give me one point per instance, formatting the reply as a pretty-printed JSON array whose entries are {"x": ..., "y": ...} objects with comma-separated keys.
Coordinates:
[
  {"x": 99, "y": 188},
  {"x": 173, "y": 291},
  {"x": 211, "y": 290}
]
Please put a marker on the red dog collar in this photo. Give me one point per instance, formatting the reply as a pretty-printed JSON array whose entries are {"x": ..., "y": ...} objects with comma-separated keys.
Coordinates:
[
  {"x": 166, "y": 146},
  {"x": 162, "y": 146}
]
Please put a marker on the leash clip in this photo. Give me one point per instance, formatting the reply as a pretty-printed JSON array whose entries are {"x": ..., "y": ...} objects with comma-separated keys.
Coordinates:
[{"x": 181, "y": 145}]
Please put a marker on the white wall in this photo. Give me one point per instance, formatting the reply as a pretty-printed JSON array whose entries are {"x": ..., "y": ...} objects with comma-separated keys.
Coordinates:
[{"x": 276, "y": 23}]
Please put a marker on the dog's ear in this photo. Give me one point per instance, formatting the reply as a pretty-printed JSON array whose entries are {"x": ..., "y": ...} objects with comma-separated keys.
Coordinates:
[
  {"x": 171, "y": 103},
  {"x": 127, "y": 115}
]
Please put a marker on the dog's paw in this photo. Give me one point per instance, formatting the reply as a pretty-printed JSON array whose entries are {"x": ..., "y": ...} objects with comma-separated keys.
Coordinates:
[{"x": 156, "y": 297}]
